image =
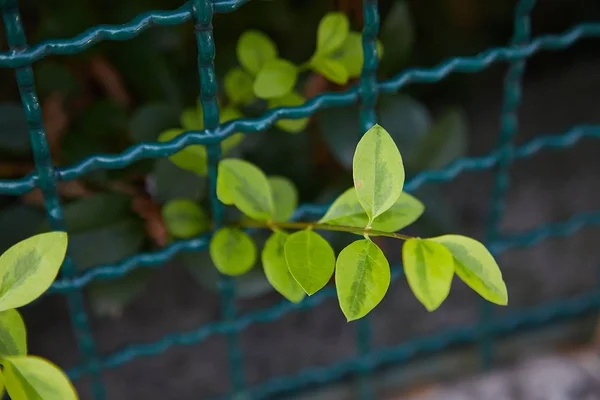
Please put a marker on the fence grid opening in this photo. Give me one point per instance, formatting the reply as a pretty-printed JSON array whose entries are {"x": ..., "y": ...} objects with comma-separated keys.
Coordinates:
[{"x": 20, "y": 57}]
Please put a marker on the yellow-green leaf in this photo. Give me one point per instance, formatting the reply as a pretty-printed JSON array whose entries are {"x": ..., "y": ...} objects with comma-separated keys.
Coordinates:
[
  {"x": 276, "y": 269},
  {"x": 275, "y": 79},
  {"x": 192, "y": 119},
  {"x": 233, "y": 252},
  {"x": 351, "y": 55},
  {"x": 476, "y": 267},
  {"x": 244, "y": 185},
  {"x": 254, "y": 49},
  {"x": 429, "y": 270},
  {"x": 28, "y": 268},
  {"x": 291, "y": 99},
  {"x": 191, "y": 158},
  {"x": 330, "y": 68},
  {"x": 184, "y": 218},
  {"x": 285, "y": 197},
  {"x": 347, "y": 211},
  {"x": 13, "y": 335},
  {"x": 2, "y": 383},
  {"x": 378, "y": 172},
  {"x": 229, "y": 114},
  {"x": 33, "y": 378},
  {"x": 362, "y": 277},
  {"x": 332, "y": 32},
  {"x": 310, "y": 259},
  {"x": 238, "y": 86}
]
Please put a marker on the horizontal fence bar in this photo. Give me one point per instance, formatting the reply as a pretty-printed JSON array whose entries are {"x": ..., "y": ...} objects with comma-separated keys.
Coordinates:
[
  {"x": 530, "y": 318},
  {"x": 116, "y": 32},
  {"x": 159, "y": 257},
  {"x": 327, "y": 100},
  {"x": 270, "y": 314}
]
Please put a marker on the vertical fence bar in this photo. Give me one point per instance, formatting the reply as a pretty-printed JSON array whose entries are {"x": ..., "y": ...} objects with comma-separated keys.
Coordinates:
[
  {"x": 368, "y": 118},
  {"x": 508, "y": 131},
  {"x": 47, "y": 183},
  {"x": 203, "y": 14}
]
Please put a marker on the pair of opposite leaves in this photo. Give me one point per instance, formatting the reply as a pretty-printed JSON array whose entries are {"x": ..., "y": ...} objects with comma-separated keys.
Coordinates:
[
  {"x": 27, "y": 270},
  {"x": 304, "y": 262}
]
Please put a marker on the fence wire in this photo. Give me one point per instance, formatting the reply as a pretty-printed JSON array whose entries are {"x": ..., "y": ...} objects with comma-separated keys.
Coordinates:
[{"x": 46, "y": 175}]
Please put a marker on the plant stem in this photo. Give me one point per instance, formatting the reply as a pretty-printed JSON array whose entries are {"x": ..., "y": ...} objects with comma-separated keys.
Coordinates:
[{"x": 321, "y": 227}]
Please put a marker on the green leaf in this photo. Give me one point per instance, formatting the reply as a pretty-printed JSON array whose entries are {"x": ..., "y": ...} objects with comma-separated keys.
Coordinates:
[
  {"x": 362, "y": 277},
  {"x": 192, "y": 158},
  {"x": 291, "y": 99},
  {"x": 107, "y": 244},
  {"x": 226, "y": 115},
  {"x": 330, "y": 68},
  {"x": 276, "y": 269},
  {"x": 347, "y": 211},
  {"x": 13, "y": 335},
  {"x": 170, "y": 182},
  {"x": 14, "y": 137},
  {"x": 445, "y": 142},
  {"x": 109, "y": 298},
  {"x": 332, "y": 32},
  {"x": 429, "y": 270},
  {"x": 29, "y": 267},
  {"x": 476, "y": 267},
  {"x": 232, "y": 251},
  {"x": 351, "y": 55},
  {"x": 192, "y": 119},
  {"x": 397, "y": 35},
  {"x": 275, "y": 79},
  {"x": 310, "y": 259},
  {"x": 378, "y": 172},
  {"x": 2, "y": 384},
  {"x": 238, "y": 86},
  {"x": 254, "y": 49},
  {"x": 244, "y": 185},
  {"x": 149, "y": 120},
  {"x": 33, "y": 378},
  {"x": 285, "y": 197},
  {"x": 184, "y": 218}
]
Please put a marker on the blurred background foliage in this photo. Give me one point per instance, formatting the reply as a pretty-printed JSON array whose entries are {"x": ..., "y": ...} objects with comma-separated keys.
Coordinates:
[{"x": 120, "y": 93}]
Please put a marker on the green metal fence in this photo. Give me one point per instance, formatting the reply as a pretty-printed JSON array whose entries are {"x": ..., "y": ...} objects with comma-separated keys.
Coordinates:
[{"x": 21, "y": 56}]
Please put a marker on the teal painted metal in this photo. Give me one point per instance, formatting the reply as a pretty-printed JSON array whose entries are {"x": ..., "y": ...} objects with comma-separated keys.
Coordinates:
[{"x": 20, "y": 57}]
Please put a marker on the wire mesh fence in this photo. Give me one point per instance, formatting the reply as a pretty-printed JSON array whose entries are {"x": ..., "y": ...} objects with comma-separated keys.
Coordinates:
[{"x": 71, "y": 283}]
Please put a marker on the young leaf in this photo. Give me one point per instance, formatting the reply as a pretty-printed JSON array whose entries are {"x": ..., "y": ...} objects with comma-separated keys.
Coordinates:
[
  {"x": 476, "y": 267},
  {"x": 254, "y": 49},
  {"x": 242, "y": 184},
  {"x": 285, "y": 197},
  {"x": 184, "y": 218},
  {"x": 332, "y": 32},
  {"x": 229, "y": 114},
  {"x": 275, "y": 79},
  {"x": 291, "y": 99},
  {"x": 276, "y": 269},
  {"x": 351, "y": 55},
  {"x": 192, "y": 119},
  {"x": 29, "y": 267},
  {"x": 362, "y": 277},
  {"x": 429, "y": 270},
  {"x": 330, "y": 68},
  {"x": 347, "y": 211},
  {"x": 33, "y": 378},
  {"x": 233, "y": 252},
  {"x": 191, "y": 158},
  {"x": 378, "y": 172},
  {"x": 310, "y": 259},
  {"x": 238, "y": 86},
  {"x": 13, "y": 335}
]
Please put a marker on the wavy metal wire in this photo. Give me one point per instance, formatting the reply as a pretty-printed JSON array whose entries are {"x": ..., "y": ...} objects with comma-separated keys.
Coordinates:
[{"x": 20, "y": 56}]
